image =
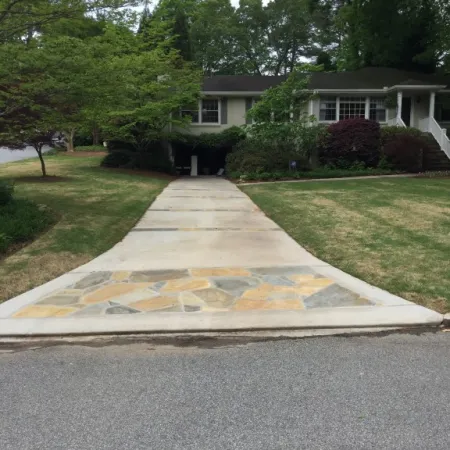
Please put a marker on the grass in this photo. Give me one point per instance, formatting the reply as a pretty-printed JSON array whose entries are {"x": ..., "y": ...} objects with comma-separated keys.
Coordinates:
[
  {"x": 96, "y": 208},
  {"x": 394, "y": 234}
]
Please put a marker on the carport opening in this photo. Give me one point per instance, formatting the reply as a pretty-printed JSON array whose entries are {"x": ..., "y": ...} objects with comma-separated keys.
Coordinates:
[{"x": 209, "y": 159}]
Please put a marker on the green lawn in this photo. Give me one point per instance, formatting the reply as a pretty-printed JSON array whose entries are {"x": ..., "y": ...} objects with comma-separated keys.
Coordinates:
[
  {"x": 393, "y": 233},
  {"x": 95, "y": 208}
]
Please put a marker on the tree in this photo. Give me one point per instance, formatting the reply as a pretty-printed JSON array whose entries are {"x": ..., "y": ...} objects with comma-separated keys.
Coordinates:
[
  {"x": 20, "y": 19},
  {"x": 214, "y": 38},
  {"x": 158, "y": 84},
  {"x": 403, "y": 34},
  {"x": 281, "y": 115}
]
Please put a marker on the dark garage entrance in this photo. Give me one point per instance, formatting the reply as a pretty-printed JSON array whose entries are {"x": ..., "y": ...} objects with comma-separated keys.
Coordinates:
[{"x": 209, "y": 159}]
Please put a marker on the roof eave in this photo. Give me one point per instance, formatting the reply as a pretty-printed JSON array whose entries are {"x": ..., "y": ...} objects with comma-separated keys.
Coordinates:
[
  {"x": 232, "y": 93},
  {"x": 431, "y": 87}
]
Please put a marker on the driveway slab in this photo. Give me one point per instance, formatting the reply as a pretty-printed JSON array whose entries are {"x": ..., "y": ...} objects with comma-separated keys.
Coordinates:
[{"x": 205, "y": 258}]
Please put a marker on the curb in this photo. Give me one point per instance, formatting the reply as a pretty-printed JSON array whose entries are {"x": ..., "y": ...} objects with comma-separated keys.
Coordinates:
[{"x": 400, "y": 316}]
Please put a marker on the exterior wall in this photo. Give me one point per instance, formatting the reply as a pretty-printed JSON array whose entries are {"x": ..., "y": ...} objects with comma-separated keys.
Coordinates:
[{"x": 235, "y": 117}]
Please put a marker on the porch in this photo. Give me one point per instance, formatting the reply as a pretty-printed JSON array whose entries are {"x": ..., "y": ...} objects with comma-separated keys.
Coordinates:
[{"x": 425, "y": 109}]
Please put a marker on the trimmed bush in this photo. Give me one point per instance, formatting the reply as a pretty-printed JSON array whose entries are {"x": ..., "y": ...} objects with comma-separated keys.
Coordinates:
[
  {"x": 403, "y": 148},
  {"x": 405, "y": 152},
  {"x": 253, "y": 156},
  {"x": 6, "y": 192},
  {"x": 117, "y": 158},
  {"x": 350, "y": 141},
  {"x": 22, "y": 220}
]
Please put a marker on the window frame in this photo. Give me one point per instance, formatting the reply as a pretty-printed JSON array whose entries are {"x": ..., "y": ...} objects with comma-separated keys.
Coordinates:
[
  {"x": 338, "y": 99},
  {"x": 199, "y": 111}
]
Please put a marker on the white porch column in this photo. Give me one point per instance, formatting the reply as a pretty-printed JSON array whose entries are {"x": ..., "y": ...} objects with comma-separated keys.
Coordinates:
[
  {"x": 431, "y": 112},
  {"x": 367, "y": 109},
  {"x": 399, "y": 105}
]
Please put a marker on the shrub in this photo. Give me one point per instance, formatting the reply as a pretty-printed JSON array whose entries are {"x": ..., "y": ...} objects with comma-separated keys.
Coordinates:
[
  {"x": 90, "y": 148},
  {"x": 22, "y": 220},
  {"x": 253, "y": 156},
  {"x": 350, "y": 141},
  {"x": 405, "y": 152},
  {"x": 6, "y": 192},
  {"x": 117, "y": 158},
  {"x": 390, "y": 133}
]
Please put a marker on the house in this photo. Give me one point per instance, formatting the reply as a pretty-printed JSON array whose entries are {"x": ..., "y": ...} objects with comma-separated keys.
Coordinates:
[{"x": 390, "y": 96}]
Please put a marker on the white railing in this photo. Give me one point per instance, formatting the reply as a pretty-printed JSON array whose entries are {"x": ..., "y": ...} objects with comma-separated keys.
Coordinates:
[
  {"x": 396, "y": 122},
  {"x": 440, "y": 134}
]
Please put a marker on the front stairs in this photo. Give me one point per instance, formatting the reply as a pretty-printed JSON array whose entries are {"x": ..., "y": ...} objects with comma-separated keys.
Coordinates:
[{"x": 434, "y": 158}]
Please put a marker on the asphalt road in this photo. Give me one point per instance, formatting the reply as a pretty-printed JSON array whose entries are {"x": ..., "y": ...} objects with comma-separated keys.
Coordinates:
[
  {"x": 7, "y": 155},
  {"x": 389, "y": 392}
]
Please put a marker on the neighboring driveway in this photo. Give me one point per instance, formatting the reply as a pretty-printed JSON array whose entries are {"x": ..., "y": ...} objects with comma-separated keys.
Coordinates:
[
  {"x": 205, "y": 258},
  {"x": 8, "y": 155}
]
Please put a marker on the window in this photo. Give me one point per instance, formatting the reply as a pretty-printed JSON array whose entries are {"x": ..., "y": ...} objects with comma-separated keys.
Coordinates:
[
  {"x": 377, "y": 109},
  {"x": 206, "y": 111},
  {"x": 191, "y": 112},
  {"x": 352, "y": 107},
  {"x": 327, "y": 108},
  {"x": 210, "y": 111}
]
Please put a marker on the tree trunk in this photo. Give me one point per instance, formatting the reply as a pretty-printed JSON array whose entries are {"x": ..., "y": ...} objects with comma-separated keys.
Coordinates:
[
  {"x": 38, "y": 149},
  {"x": 69, "y": 140},
  {"x": 95, "y": 135}
]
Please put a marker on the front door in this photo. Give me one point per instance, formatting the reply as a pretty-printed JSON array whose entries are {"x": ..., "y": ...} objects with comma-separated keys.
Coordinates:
[{"x": 406, "y": 111}]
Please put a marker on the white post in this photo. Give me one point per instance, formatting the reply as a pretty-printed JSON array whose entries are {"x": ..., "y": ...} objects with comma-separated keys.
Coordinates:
[
  {"x": 431, "y": 113},
  {"x": 399, "y": 106},
  {"x": 367, "y": 110},
  {"x": 194, "y": 169},
  {"x": 338, "y": 108}
]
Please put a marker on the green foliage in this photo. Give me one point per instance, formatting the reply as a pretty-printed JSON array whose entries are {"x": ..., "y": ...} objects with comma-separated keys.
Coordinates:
[
  {"x": 123, "y": 155},
  {"x": 409, "y": 40},
  {"x": 6, "y": 192},
  {"x": 117, "y": 158},
  {"x": 225, "y": 139},
  {"x": 22, "y": 220},
  {"x": 281, "y": 118},
  {"x": 250, "y": 156},
  {"x": 90, "y": 148}
]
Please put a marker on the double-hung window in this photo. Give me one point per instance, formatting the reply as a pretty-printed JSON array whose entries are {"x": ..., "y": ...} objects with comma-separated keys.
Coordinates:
[
  {"x": 377, "y": 109},
  {"x": 328, "y": 108},
  {"x": 352, "y": 107},
  {"x": 207, "y": 111},
  {"x": 210, "y": 111}
]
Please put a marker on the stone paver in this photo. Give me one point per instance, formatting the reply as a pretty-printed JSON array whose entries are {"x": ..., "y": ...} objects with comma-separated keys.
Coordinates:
[{"x": 218, "y": 289}]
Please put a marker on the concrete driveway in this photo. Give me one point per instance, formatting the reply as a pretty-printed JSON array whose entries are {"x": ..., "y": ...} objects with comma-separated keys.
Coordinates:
[
  {"x": 8, "y": 155},
  {"x": 205, "y": 258}
]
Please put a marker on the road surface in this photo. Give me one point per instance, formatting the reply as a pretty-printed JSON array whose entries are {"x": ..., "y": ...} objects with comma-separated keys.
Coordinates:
[
  {"x": 388, "y": 392},
  {"x": 7, "y": 155}
]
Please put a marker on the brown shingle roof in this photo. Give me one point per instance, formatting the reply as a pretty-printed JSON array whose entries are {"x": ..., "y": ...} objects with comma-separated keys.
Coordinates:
[{"x": 367, "y": 78}]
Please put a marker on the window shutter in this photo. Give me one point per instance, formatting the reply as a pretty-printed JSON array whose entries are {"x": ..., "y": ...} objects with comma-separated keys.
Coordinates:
[
  {"x": 224, "y": 111},
  {"x": 248, "y": 106}
]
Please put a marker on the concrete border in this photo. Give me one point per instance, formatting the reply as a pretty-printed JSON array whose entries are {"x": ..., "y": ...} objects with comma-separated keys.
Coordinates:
[{"x": 326, "y": 318}]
